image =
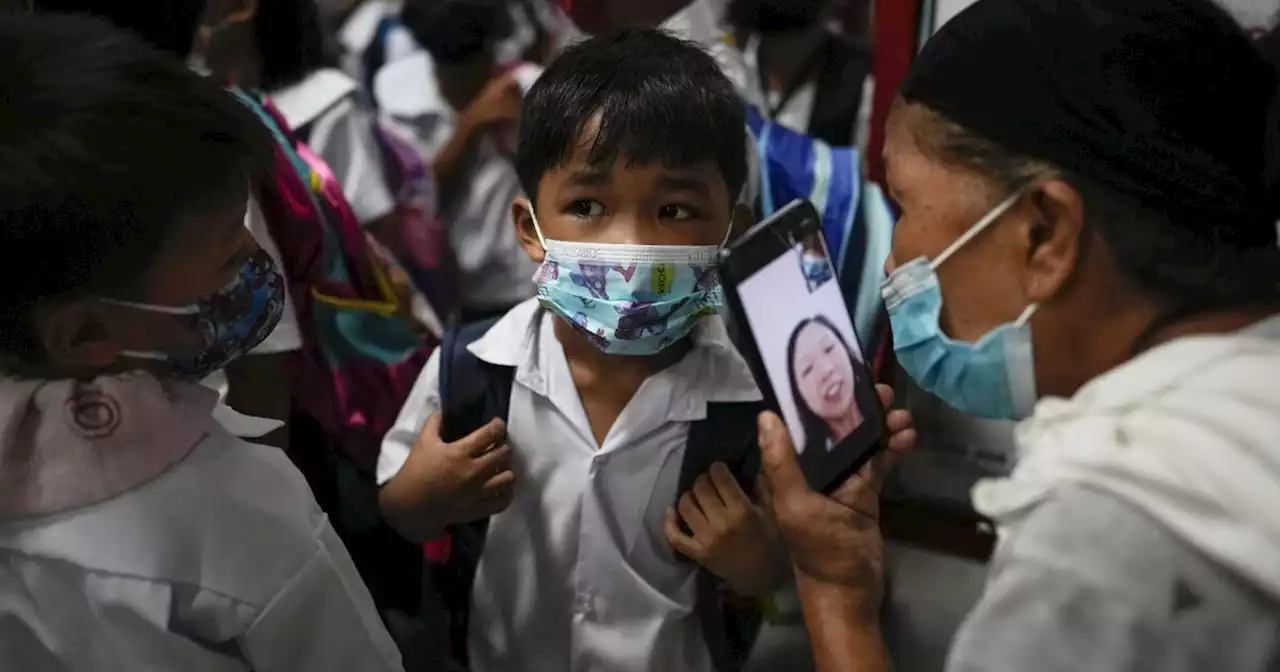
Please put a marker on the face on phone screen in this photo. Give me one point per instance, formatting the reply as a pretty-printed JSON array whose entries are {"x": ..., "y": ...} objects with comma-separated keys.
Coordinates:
[{"x": 809, "y": 349}]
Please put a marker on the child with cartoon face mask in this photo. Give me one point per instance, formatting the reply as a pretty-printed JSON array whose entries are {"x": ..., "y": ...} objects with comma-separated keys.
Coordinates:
[
  {"x": 631, "y": 154},
  {"x": 136, "y": 532}
]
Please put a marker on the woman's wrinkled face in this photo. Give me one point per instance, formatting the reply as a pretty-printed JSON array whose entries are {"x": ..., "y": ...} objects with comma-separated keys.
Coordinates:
[
  {"x": 982, "y": 283},
  {"x": 823, "y": 373}
]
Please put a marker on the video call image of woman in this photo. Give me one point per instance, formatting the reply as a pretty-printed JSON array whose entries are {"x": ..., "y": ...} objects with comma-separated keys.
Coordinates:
[{"x": 823, "y": 374}]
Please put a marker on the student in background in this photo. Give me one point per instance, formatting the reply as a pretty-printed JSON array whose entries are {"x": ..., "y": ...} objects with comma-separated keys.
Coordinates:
[
  {"x": 136, "y": 532},
  {"x": 465, "y": 120},
  {"x": 802, "y": 74},
  {"x": 293, "y": 65}
]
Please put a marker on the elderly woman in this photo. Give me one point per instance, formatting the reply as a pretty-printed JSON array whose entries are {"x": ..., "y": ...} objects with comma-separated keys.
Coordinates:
[{"x": 1083, "y": 182}]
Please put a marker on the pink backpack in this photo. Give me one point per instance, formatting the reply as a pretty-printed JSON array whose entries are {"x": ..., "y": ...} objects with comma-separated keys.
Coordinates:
[{"x": 361, "y": 352}]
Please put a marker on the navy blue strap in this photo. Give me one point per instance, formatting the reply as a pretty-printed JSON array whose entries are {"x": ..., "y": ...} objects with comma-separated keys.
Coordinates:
[{"x": 376, "y": 56}]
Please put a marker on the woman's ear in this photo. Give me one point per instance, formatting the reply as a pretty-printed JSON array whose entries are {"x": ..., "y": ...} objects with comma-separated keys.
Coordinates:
[
  {"x": 1054, "y": 237},
  {"x": 522, "y": 218},
  {"x": 75, "y": 337}
]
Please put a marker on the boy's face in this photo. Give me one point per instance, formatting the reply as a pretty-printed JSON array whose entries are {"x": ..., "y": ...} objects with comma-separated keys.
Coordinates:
[
  {"x": 646, "y": 204},
  {"x": 201, "y": 257}
]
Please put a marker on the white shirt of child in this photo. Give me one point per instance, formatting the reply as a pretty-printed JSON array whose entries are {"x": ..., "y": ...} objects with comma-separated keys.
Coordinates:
[
  {"x": 359, "y": 31},
  {"x": 224, "y": 563},
  {"x": 577, "y": 575}
]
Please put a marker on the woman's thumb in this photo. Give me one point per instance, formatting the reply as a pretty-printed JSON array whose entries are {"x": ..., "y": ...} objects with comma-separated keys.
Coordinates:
[{"x": 778, "y": 458}]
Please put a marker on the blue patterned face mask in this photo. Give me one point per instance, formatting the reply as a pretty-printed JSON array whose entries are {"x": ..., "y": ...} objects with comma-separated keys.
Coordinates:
[
  {"x": 629, "y": 299},
  {"x": 231, "y": 322},
  {"x": 992, "y": 378}
]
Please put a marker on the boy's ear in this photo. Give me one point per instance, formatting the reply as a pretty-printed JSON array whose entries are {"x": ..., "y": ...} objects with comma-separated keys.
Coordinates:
[
  {"x": 522, "y": 219},
  {"x": 744, "y": 217},
  {"x": 75, "y": 336}
]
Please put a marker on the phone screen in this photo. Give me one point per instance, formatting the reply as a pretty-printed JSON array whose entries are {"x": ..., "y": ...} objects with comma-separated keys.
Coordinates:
[{"x": 809, "y": 351}]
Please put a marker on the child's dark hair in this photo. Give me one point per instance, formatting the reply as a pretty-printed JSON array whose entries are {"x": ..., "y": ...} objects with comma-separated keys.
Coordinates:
[
  {"x": 107, "y": 143},
  {"x": 453, "y": 31},
  {"x": 290, "y": 41},
  {"x": 167, "y": 24},
  {"x": 816, "y": 430},
  {"x": 658, "y": 99}
]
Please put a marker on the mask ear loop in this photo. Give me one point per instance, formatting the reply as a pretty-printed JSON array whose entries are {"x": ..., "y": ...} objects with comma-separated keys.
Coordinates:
[
  {"x": 979, "y": 228},
  {"x": 537, "y": 228},
  {"x": 727, "y": 232},
  {"x": 976, "y": 229}
]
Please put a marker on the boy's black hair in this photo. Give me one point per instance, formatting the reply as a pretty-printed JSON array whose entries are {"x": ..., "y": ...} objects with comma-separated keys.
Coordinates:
[
  {"x": 453, "y": 31},
  {"x": 658, "y": 99},
  {"x": 290, "y": 41},
  {"x": 167, "y": 24},
  {"x": 105, "y": 145}
]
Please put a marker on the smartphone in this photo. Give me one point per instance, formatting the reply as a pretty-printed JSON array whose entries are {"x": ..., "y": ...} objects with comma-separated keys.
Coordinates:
[{"x": 789, "y": 319}]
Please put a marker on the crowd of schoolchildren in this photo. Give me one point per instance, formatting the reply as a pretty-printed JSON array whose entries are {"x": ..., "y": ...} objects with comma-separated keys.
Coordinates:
[{"x": 356, "y": 231}]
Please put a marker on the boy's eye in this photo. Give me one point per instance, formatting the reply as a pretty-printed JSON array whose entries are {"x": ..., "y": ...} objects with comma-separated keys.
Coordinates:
[
  {"x": 585, "y": 209},
  {"x": 676, "y": 212}
]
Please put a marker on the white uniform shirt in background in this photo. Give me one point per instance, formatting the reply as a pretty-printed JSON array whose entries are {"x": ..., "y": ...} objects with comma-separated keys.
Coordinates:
[
  {"x": 360, "y": 30},
  {"x": 577, "y": 575},
  {"x": 223, "y": 563}
]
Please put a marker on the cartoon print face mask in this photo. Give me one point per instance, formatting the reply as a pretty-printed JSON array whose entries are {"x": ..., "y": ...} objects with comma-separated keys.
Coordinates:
[{"x": 629, "y": 299}]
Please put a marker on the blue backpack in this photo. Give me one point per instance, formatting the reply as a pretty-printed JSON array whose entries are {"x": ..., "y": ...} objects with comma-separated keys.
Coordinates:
[{"x": 473, "y": 392}]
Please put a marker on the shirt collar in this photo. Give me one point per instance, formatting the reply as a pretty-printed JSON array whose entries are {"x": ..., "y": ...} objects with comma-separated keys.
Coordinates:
[{"x": 722, "y": 375}]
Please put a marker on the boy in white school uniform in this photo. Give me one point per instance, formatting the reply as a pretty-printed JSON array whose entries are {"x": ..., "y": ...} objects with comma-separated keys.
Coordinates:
[{"x": 631, "y": 152}]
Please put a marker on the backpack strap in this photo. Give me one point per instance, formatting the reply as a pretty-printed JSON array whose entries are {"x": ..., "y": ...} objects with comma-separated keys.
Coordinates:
[
  {"x": 375, "y": 56},
  {"x": 472, "y": 392},
  {"x": 838, "y": 91},
  {"x": 728, "y": 434}
]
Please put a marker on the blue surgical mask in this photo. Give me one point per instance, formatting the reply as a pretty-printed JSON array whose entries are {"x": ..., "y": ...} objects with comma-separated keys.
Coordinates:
[
  {"x": 992, "y": 378},
  {"x": 629, "y": 299},
  {"x": 231, "y": 322}
]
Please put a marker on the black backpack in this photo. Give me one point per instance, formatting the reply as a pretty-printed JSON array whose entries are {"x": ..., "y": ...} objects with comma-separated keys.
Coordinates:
[{"x": 473, "y": 392}]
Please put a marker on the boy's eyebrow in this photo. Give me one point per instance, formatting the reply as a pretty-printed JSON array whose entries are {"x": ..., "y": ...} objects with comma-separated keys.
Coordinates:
[
  {"x": 681, "y": 183},
  {"x": 589, "y": 178}
]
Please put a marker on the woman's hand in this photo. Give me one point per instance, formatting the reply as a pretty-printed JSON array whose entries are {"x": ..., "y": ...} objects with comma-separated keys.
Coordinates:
[{"x": 835, "y": 541}]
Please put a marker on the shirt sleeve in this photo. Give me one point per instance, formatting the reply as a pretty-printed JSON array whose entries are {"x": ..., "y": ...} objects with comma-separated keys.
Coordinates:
[
  {"x": 323, "y": 620},
  {"x": 1034, "y": 617},
  {"x": 1068, "y": 592},
  {"x": 423, "y": 400}
]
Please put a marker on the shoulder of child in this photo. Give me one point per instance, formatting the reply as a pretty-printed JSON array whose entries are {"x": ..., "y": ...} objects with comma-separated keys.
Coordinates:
[{"x": 234, "y": 518}]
